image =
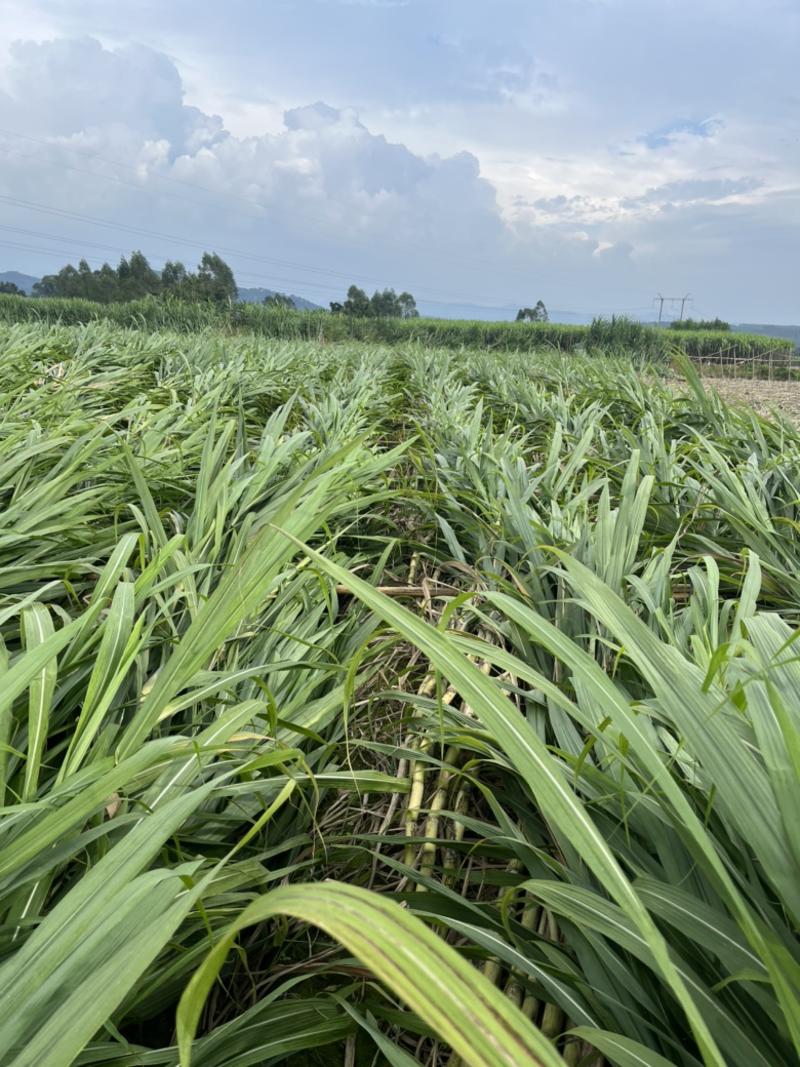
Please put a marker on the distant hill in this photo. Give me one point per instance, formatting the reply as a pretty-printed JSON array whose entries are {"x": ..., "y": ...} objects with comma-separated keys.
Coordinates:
[
  {"x": 481, "y": 312},
  {"x": 257, "y": 296},
  {"x": 471, "y": 312},
  {"x": 791, "y": 333},
  {"x": 25, "y": 282}
]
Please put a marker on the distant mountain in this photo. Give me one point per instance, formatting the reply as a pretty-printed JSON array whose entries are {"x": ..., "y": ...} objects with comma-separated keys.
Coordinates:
[
  {"x": 472, "y": 312},
  {"x": 483, "y": 312},
  {"x": 25, "y": 282},
  {"x": 257, "y": 296},
  {"x": 791, "y": 333}
]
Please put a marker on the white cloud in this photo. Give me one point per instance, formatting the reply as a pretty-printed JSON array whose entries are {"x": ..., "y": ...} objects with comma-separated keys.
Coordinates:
[
  {"x": 323, "y": 192},
  {"x": 65, "y": 88},
  {"x": 501, "y": 177}
]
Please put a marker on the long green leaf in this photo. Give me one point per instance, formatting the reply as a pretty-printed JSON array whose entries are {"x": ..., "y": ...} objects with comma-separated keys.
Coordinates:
[
  {"x": 464, "y": 1008},
  {"x": 529, "y": 754}
]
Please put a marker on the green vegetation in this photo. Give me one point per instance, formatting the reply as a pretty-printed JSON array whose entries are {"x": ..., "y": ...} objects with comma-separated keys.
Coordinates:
[
  {"x": 381, "y": 305},
  {"x": 538, "y": 313},
  {"x": 701, "y": 324},
  {"x": 278, "y": 300},
  {"x": 618, "y": 335},
  {"x": 213, "y": 283},
  {"x": 294, "y": 634},
  {"x": 134, "y": 279}
]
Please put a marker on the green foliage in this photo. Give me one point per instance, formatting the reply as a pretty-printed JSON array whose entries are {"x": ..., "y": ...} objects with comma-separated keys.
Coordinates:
[
  {"x": 569, "y": 744},
  {"x": 538, "y": 313},
  {"x": 381, "y": 305},
  {"x": 617, "y": 336},
  {"x": 293, "y": 634},
  {"x": 356, "y": 305},
  {"x": 215, "y": 282},
  {"x": 620, "y": 333},
  {"x": 134, "y": 279},
  {"x": 170, "y": 313},
  {"x": 278, "y": 300},
  {"x": 717, "y": 325},
  {"x": 10, "y": 289}
]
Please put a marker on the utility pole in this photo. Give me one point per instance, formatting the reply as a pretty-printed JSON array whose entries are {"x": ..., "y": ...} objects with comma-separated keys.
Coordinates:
[{"x": 672, "y": 300}]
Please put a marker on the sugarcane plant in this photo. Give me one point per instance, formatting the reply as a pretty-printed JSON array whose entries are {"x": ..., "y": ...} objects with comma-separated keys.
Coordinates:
[{"x": 371, "y": 704}]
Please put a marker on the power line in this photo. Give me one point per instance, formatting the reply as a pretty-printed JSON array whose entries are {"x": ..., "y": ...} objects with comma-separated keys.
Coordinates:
[
  {"x": 349, "y": 236},
  {"x": 141, "y": 232},
  {"x": 60, "y": 253},
  {"x": 427, "y": 295},
  {"x": 682, "y": 300},
  {"x": 94, "y": 220},
  {"x": 269, "y": 280},
  {"x": 261, "y": 211}
]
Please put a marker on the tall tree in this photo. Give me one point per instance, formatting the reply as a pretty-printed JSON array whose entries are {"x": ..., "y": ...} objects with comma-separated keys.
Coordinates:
[
  {"x": 141, "y": 279},
  {"x": 278, "y": 300},
  {"x": 106, "y": 285},
  {"x": 174, "y": 278},
  {"x": 383, "y": 304},
  {"x": 134, "y": 278},
  {"x": 408, "y": 306},
  {"x": 216, "y": 282},
  {"x": 357, "y": 303},
  {"x": 538, "y": 313},
  {"x": 62, "y": 284}
]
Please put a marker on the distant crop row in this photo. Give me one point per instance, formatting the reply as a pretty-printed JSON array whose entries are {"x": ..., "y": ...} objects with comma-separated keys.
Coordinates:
[{"x": 615, "y": 335}]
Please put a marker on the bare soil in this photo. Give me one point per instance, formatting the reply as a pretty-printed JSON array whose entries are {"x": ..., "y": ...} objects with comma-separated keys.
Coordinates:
[{"x": 764, "y": 397}]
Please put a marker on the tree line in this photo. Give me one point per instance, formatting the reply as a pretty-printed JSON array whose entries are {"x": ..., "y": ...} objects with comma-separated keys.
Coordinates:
[
  {"x": 212, "y": 282},
  {"x": 134, "y": 278},
  {"x": 386, "y": 304},
  {"x": 701, "y": 324},
  {"x": 538, "y": 313}
]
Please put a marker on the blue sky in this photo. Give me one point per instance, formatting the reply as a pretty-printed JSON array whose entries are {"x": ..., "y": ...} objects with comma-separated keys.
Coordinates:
[{"x": 591, "y": 153}]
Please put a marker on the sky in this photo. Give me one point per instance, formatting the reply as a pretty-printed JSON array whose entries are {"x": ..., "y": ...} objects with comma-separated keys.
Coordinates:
[{"x": 589, "y": 153}]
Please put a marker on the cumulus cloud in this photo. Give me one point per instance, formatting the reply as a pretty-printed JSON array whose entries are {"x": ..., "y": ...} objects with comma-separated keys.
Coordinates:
[
  {"x": 69, "y": 87},
  {"x": 119, "y": 143},
  {"x": 329, "y": 196}
]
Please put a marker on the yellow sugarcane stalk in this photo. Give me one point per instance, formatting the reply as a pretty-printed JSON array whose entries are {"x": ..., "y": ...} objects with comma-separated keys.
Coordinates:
[
  {"x": 450, "y": 854},
  {"x": 418, "y": 771},
  {"x": 552, "y": 1016},
  {"x": 428, "y": 854},
  {"x": 531, "y": 914}
]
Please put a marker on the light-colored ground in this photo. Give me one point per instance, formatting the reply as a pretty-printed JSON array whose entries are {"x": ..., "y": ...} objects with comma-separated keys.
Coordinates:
[{"x": 764, "y": 396}]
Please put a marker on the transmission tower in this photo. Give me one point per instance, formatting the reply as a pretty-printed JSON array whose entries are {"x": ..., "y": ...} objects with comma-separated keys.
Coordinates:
[{"x": 682, "y": 300}]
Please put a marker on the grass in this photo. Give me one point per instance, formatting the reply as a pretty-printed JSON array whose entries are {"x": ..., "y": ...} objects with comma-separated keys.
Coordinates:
[
  {"x": 391, "y": 705},
  {"x": 618, "y": 336}
]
